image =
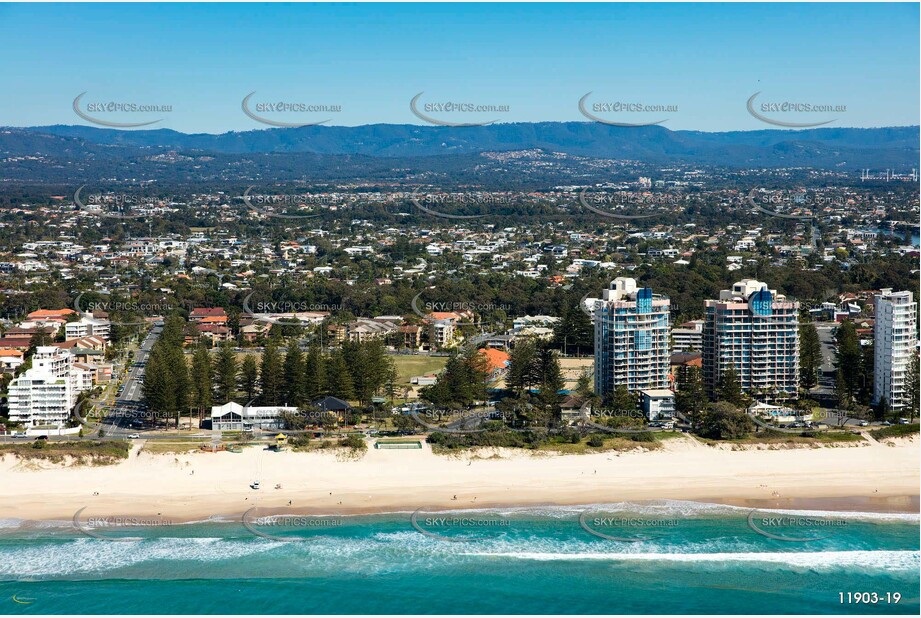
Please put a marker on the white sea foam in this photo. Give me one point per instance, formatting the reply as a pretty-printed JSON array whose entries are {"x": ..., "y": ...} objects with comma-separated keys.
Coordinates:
[
  {"x": 862, "y": 559},
  {"x": 673, "y": 508},
  {"x": 83, "y": 556}
]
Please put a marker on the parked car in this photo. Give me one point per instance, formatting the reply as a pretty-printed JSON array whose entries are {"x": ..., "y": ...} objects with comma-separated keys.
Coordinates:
[{"x": 133, "y": 436}]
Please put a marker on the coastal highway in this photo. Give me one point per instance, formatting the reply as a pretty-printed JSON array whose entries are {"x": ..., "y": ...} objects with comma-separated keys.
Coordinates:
[
  {"x": 132, "y": 388},
  {"x": 128, "y": 405}
]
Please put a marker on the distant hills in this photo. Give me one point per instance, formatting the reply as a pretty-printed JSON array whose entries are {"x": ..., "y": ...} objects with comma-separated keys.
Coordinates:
[{"x": 828, "y": 148}]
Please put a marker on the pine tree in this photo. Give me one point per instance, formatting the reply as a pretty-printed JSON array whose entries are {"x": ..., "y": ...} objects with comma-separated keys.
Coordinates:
[
  {"x": 390, "y": 385},
  {"x": 158, "y": 388},
  {"x": 225, "y": 370},
  {"x": 294, "y": 376},
  {"x": 271, "y": 376},
  {"x": 574, "y": 332},
  {"x": 729, "y": 388},
  {"x": 182, "y": 383},
  {"x": 520, "y": 375},
  {"x": 338, "y": 378},
  {"x": 912, "y": 388},
  {"x": 173, "y": 334},
  {"x": 551, "y": 379},
  {"x": 249, "y": 377},
  {"x": 622, "y": 402},
  {"x": 849, "y": 360},
  {"x": 810, "y": 356},
  {"x": 691, "y": 398},
  {"x": 314, "y": 374},
  {"x": 202, "y": 378}
]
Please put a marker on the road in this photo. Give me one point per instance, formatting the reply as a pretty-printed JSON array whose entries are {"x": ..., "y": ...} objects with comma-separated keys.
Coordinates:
[
  {"x": 129, "y": 406},
  {"x": 824, "y": 392}
]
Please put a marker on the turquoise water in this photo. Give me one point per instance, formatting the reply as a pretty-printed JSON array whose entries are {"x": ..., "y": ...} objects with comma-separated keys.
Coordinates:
[{"x": 680, "y": 557}]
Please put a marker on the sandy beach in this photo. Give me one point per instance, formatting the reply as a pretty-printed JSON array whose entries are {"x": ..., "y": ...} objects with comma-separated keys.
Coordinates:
[{"x": 195, "y": 486}]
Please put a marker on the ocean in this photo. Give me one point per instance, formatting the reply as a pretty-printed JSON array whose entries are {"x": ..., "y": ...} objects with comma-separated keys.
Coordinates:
[{"x": 660, "y": 557}]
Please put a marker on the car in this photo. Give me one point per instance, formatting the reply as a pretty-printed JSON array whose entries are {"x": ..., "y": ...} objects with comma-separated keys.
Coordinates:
[
  {"x": 133, "y": 436},
  {"x": 885, "y": 423},
  {"x": 903, "y": 421},
  {"x": 20, "y": 435},
  {"x": 44, "y": 438},
  {"x": 864, "y": 424}
]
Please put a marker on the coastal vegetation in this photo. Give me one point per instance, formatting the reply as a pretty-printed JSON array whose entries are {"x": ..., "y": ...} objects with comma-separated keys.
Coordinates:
[{"x": 78, "y": 452}]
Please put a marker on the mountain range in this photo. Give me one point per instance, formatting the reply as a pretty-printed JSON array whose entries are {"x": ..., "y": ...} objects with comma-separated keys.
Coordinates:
[{"x": 843, "y": 149}]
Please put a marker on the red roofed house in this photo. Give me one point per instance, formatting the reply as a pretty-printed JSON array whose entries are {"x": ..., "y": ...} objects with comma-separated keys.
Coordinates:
[
  {"x": 200, "y": 313},
  {"x": 497, "y": 361}
]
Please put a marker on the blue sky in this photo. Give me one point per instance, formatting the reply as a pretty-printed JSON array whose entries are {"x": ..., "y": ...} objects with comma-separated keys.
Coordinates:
[{"x": 537, "y": 59}]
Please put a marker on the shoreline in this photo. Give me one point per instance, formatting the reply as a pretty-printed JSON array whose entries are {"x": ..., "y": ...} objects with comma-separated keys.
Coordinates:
[
  {"x": 858, "y": 506},
  {"x": 877, "y": 478}
]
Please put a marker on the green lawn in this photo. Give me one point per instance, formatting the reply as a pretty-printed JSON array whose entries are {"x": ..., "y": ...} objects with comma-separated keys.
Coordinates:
[{"x": 416, "y": 365}]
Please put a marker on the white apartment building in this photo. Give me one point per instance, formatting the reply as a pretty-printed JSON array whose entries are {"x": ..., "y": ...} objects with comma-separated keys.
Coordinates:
[
  {"x": 442, "y": 332},
  {"x": 88, "y": 326},
  {"x": 895, "y": 336},
  {"x": 755, "y": 331},
  {"x": 631, "y": 338},
  {"x": 658, "y": 403},
  {"x": 47, "y": 392},
  {"x": 688, "y": 337}
]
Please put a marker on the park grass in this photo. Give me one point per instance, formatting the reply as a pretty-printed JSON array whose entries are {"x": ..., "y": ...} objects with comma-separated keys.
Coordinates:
[{"x": 410, "y": 365}]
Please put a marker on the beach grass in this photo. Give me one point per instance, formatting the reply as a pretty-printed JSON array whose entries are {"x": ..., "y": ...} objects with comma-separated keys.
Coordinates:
[
  {"x": 166, "y": 447},
  {"x": 780, "y": 438},
  {"x": 84, "y": 452},
  {"x": 895, "y": 431}
]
